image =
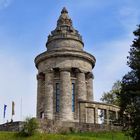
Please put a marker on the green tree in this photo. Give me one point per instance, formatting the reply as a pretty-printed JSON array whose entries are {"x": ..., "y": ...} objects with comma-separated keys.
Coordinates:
[
  {"x": 111, "y": 96},
  {"x": 130, "y": 92}
]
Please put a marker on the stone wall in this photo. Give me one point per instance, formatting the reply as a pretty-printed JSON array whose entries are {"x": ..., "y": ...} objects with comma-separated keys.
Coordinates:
[
  {"x": 11, "y": 126},
  {"x": 50, "y": 126}
]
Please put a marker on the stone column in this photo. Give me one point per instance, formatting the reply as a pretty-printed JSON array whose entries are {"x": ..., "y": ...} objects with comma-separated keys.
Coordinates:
[
  {"x": 49, "y": 91},
  {"x": 117, "y": 116},
  {"x": 107, "y": 116},
  {"x": 66, "y": 96},
  {"x": 81, "y": 86},
  {"x": 90, "y": 115},
  {"x": 90, "y": 87},
  {"x": 40, "y": 80},
  {"x": 96, "y": 115},
  {"x": 82, "y": 95}
]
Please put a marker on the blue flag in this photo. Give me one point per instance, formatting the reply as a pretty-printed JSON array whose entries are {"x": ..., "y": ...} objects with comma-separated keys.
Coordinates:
[{"x": 5, "y": 106}]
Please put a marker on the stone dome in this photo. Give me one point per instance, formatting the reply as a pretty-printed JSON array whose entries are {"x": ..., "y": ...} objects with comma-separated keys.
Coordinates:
[{"x": 64, "y": 36}]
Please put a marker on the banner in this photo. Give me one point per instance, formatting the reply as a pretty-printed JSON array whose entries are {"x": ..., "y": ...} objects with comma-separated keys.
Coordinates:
[
  {"x": 4, "y": 112},
  {"x": 13, "y": 108}
]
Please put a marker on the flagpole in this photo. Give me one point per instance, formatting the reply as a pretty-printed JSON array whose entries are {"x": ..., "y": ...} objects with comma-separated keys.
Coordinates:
[
  {"x": 13, "y": 110},
  {"x": 11, "y": 118},
  {"x": 4, "y": 112},
  {"x": 3, "y": 116},
  {"x": 21, "y": 110},
  {"x": 3, "y": 120}
]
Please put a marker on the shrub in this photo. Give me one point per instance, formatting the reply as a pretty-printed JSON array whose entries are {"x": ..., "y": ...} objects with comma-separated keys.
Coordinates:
[{"x": 29, "y": 128}]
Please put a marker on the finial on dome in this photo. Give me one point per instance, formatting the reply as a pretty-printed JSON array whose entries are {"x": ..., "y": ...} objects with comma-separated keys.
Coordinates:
[
  {"x": 64, "y": 28},
  {"x": 64, "y": 10},
  {"x": 64, "y": 19}
]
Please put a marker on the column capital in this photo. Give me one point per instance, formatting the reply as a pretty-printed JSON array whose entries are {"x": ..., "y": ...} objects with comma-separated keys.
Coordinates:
[
  {"x": 49, "y": 71},
  {"x": 77, "y": 70},
  {"x": 40, "y": 76},
  {"x": 65, "y": 69},
  {"x": 89, "y": 75}
]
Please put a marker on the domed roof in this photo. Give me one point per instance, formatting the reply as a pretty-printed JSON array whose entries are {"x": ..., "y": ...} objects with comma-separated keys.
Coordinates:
[{"x": 64, "y": 30}]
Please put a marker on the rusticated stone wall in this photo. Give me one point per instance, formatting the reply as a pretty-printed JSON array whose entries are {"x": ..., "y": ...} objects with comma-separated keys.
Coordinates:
[
  {"x": 66, "y": 63},
  {"x": 69, "y": 64},
  {"x": 50, "y": 126},
  {"x": 11, "y": 126}
]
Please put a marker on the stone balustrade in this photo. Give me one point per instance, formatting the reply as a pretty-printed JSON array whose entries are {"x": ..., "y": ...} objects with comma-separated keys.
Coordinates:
[{"x": 107, "y": 108}]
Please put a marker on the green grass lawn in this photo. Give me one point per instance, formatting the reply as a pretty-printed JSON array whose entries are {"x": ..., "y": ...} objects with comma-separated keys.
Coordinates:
[{"x": 71, "y": 136}]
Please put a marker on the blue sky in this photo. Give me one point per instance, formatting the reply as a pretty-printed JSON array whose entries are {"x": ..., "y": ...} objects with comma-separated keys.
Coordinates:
[{"x": 106, "y": 27}]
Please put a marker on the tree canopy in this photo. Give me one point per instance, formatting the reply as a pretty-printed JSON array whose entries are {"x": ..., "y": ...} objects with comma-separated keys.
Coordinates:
[
  {"x": 111, "y": 96},
  {"x": 129, "y": 95}
]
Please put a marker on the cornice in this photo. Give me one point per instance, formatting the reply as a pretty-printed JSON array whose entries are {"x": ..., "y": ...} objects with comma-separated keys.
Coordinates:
[{"x": 65, "y": 53}]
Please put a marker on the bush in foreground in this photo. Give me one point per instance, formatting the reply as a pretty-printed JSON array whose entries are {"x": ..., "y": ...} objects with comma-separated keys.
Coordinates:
[{"x": 29, "y": 128}]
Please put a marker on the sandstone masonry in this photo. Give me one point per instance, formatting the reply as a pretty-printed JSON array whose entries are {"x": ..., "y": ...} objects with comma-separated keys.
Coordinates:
[{"x": 65, "y": 78}]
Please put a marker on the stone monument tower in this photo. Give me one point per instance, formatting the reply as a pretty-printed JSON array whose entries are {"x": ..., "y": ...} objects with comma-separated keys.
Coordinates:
[{"x": 64, "y": 74}]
